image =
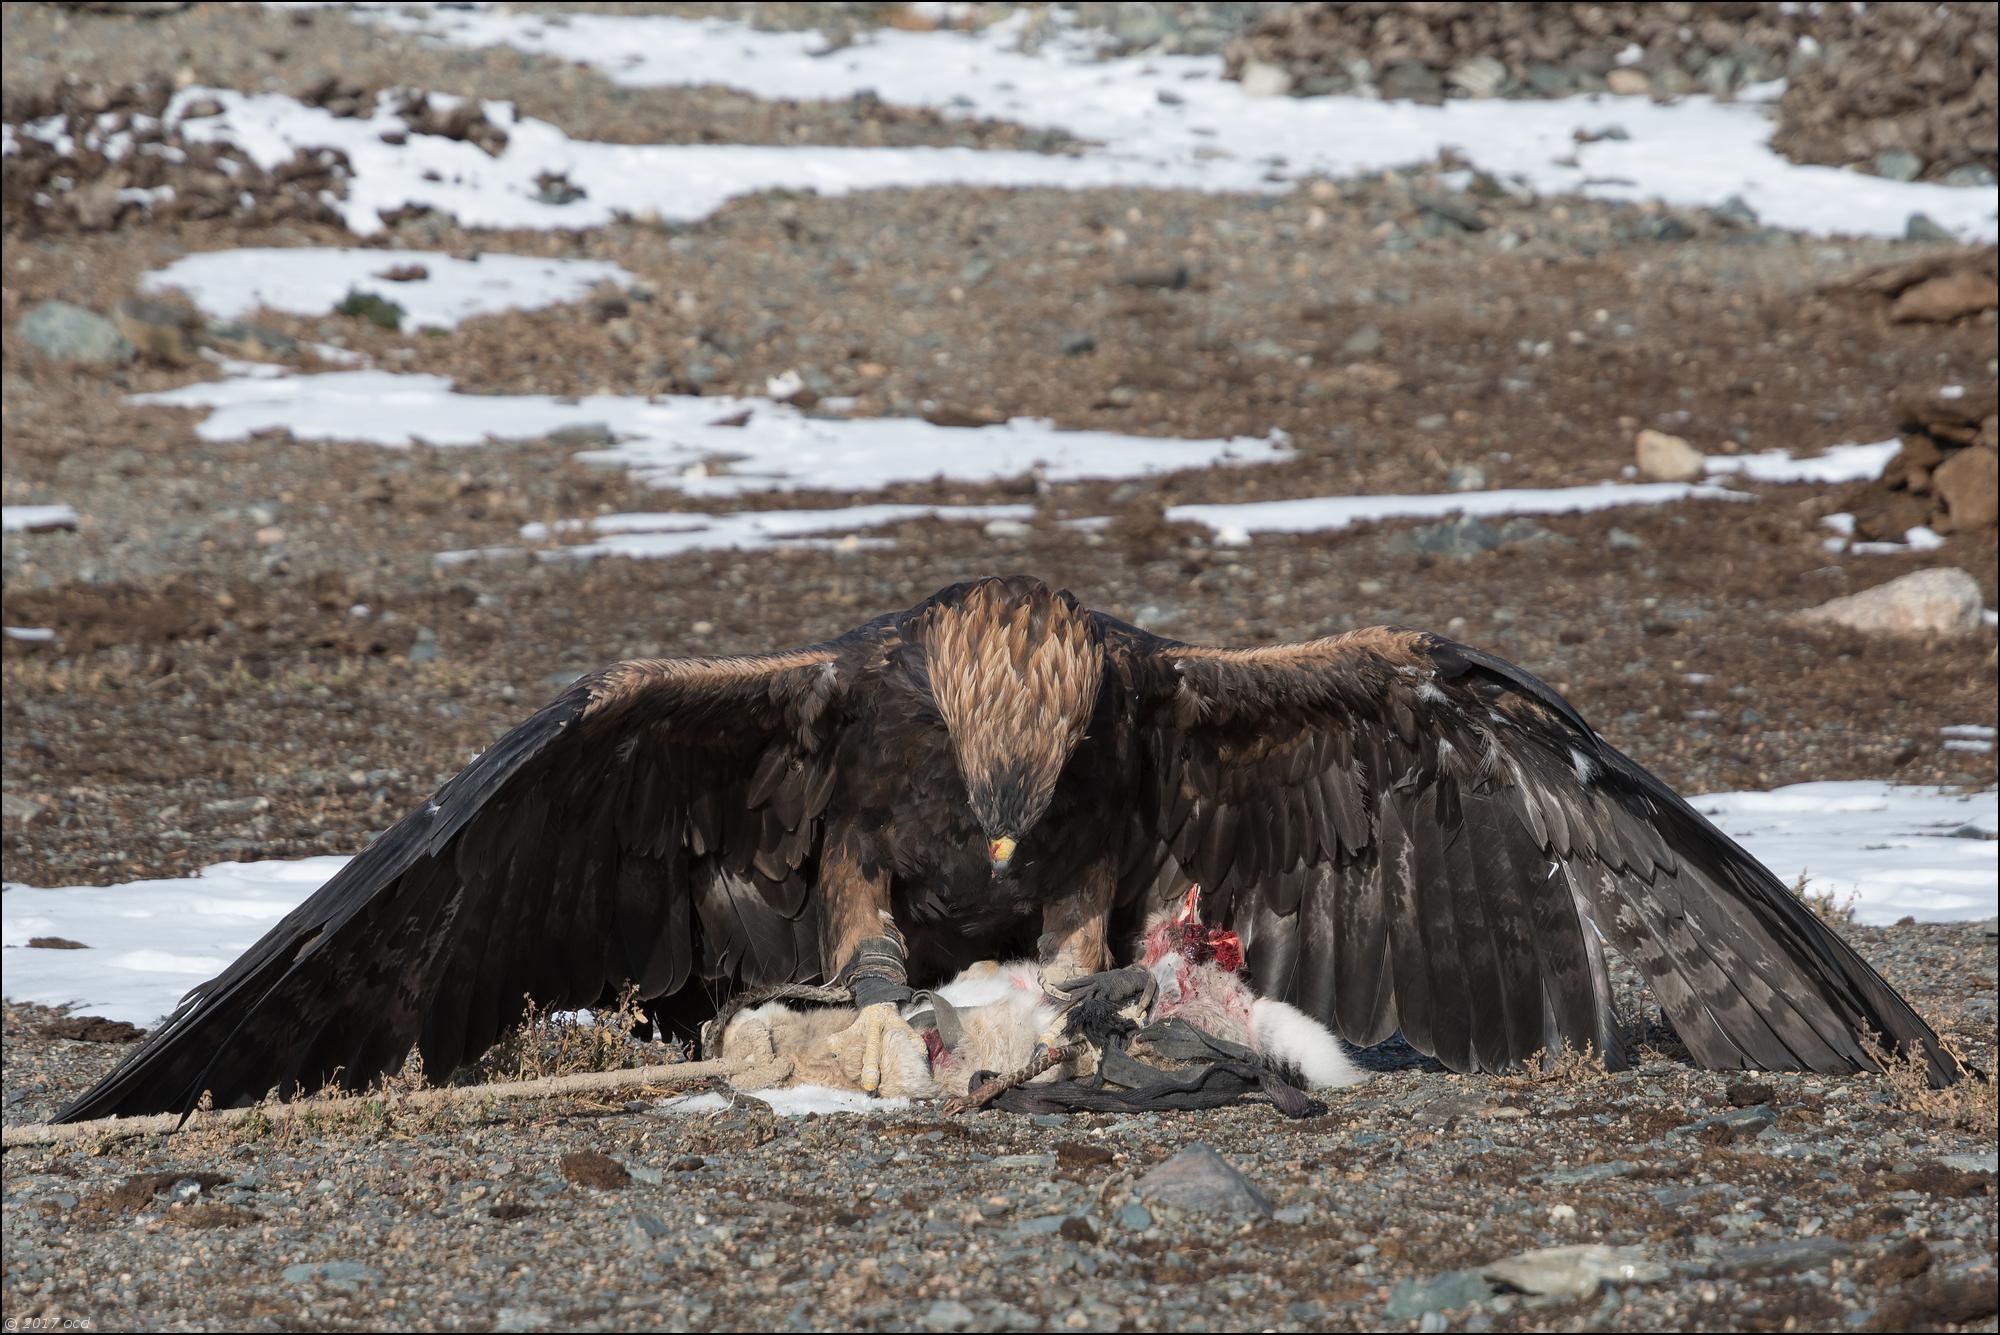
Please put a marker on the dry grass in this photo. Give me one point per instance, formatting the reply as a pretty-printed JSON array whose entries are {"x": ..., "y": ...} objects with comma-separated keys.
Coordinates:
[
  {"x": 553, "y": 1043},
  {"x": 1973, "y": 1104},
  {"x": 1825, "y": 905},
  {"x": 1569, "y": 1065}
]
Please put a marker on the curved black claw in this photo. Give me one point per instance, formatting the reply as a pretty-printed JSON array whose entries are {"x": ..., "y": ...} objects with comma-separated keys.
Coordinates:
[
  {"x": 1116, "y": 988},
  {"x": 1095, "y": 1005}
]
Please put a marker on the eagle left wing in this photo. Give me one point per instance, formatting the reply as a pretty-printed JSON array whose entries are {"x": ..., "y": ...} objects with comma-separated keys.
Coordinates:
[{"x": 1412, "y": 835}]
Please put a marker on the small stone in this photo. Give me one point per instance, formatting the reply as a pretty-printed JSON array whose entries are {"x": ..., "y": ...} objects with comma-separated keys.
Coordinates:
[
  {"x": 1669, "y": 81},
  {"x": 557, "y": 189},
  {"x": 157, "y": 331},
  {"x": 1737, "y": 210},
  {"x": 1261, "y": 79},
  {"x": 1465, "y": 477},
  {"x": 1969, "y": 485},
  {"x": 68, "y": 333},
  {"x": 1940, "y": 601},
  {"x": 1774, "y": 1258},
  {"x": 1898, "y": 164},
  {"x": 1921, "y": 227},
  {"x": 1988, "y": 1162},
  {"x": 1433, "y": 422},
  {"x": 1627, "y": 82},
  {"x": 1618, "y": 540},
  {"x": 1007, "y": 528},
  {"x": 1743, "y": 1122},
  {"x": 1455, "y": 211},
  {"x": 1946, "y": 297},
  {"x": 1407, "y": 80},
  {"x": 1481, "y": 76},
  {"x": 339, "y": 1273},
  {"x": 1454, "y": 1288},
  {"x": 1575, "y": 1272},
  {"x": 1171, "y": 279},
  {"x": 1667, "y": 458},
  {"x": 1550, "y": 80},
  {"x": 19, "y": 810},
  {"x": 583, "y": 436},
  {"x": 1201, "y": 1180},
  {"x": 1973, "y": 177},
  {"x": 948, "y": 1314},
  {"x": 1076, "y": 343},
  {"x": 1465, "y": 537},
  {"x": 1135, "y": 1217},
  {"x": 1363, "y": 342}
]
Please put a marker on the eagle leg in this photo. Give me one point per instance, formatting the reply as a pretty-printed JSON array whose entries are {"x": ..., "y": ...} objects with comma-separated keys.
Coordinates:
[
  {"x": 859, "y": 941},
  {"x": 1076, "y": 933}
]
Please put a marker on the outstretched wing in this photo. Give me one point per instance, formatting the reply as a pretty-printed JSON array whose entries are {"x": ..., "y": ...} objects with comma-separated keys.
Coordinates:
[
  {"x": 654, "y": 823},
  {"x": 1412, "y": 835}
]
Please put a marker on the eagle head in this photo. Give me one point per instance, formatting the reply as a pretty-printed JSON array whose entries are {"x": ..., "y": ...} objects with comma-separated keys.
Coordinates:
[{"x": 1014, "y": 668}]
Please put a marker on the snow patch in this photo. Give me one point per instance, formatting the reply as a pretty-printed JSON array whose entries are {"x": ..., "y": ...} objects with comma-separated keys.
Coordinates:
[
  {"x": 1308, "y": 514},
  {"x": 149, "y": 941},
  {"x": 678, "y": 442},
  {"x": 795, "y": 1101},
  {"x": 673, "y": 533},
  {"x": 1897, "y": 850},
  {"x": 1209, "y": 134},
  {"x": 35, "y": 518},
  {"x": 1839, "y": 463},
  {"x": 230, "y": 284}
]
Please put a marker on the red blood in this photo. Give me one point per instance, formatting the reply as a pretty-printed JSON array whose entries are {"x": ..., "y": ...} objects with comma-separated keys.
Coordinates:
[{"x": 1227, "y": 950}]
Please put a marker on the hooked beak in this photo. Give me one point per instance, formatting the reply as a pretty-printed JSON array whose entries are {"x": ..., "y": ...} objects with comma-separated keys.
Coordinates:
[{"x": 999, "y": 853}]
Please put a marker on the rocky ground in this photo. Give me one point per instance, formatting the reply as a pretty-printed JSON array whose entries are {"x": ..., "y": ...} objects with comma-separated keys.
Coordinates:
[
  {"x": 212, "y": 694},
  {"x": 1678, "y": 1199}
]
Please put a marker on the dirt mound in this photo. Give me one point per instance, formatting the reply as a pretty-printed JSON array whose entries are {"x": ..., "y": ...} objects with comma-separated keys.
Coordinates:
[
  {"x": 1948, "y": 458},
  {"x": 1916, "y": 79},
  {"x": 1946, "y": 476},
  {"x": 1862, "y": 86}
]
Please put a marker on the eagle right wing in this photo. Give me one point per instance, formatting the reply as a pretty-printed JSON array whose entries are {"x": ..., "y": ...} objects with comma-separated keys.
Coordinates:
[
  {"x": 1413, "y": 835},
  {"x": 649, "y": 824}
]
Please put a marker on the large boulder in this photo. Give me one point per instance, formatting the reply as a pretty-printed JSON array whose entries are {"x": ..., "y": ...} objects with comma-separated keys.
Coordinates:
[{"x": 1943, "y": 601}]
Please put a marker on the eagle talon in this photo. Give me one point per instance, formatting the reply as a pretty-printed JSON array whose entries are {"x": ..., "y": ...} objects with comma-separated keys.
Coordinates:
[
  {"x": 874, "y": 1020},
  {"x": 1117, "y": 987}
]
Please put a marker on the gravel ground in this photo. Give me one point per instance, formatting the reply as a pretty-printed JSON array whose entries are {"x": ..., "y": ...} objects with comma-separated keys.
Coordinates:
[
  {"x": 1755, "y": 1203},
  {"x": 211, "y": 695}
]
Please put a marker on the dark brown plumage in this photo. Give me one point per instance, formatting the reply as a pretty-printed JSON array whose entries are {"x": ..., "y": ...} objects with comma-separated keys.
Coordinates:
[{"x": 1407, "y": 834}]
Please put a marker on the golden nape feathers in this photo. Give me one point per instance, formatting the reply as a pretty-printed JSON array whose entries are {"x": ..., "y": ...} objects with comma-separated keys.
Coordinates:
[{"x": 1015, "y": 670}]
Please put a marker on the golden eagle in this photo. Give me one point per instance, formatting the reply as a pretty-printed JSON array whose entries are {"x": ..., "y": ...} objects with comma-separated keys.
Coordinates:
[{"x": 1407, "y": 834}]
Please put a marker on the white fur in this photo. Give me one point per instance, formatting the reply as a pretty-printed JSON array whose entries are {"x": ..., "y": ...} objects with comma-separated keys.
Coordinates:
[
  {"x": 1288, "y": 1036},
  {"x": 1005, "y": 1014},
  {"x": 989, "y": 981}
]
